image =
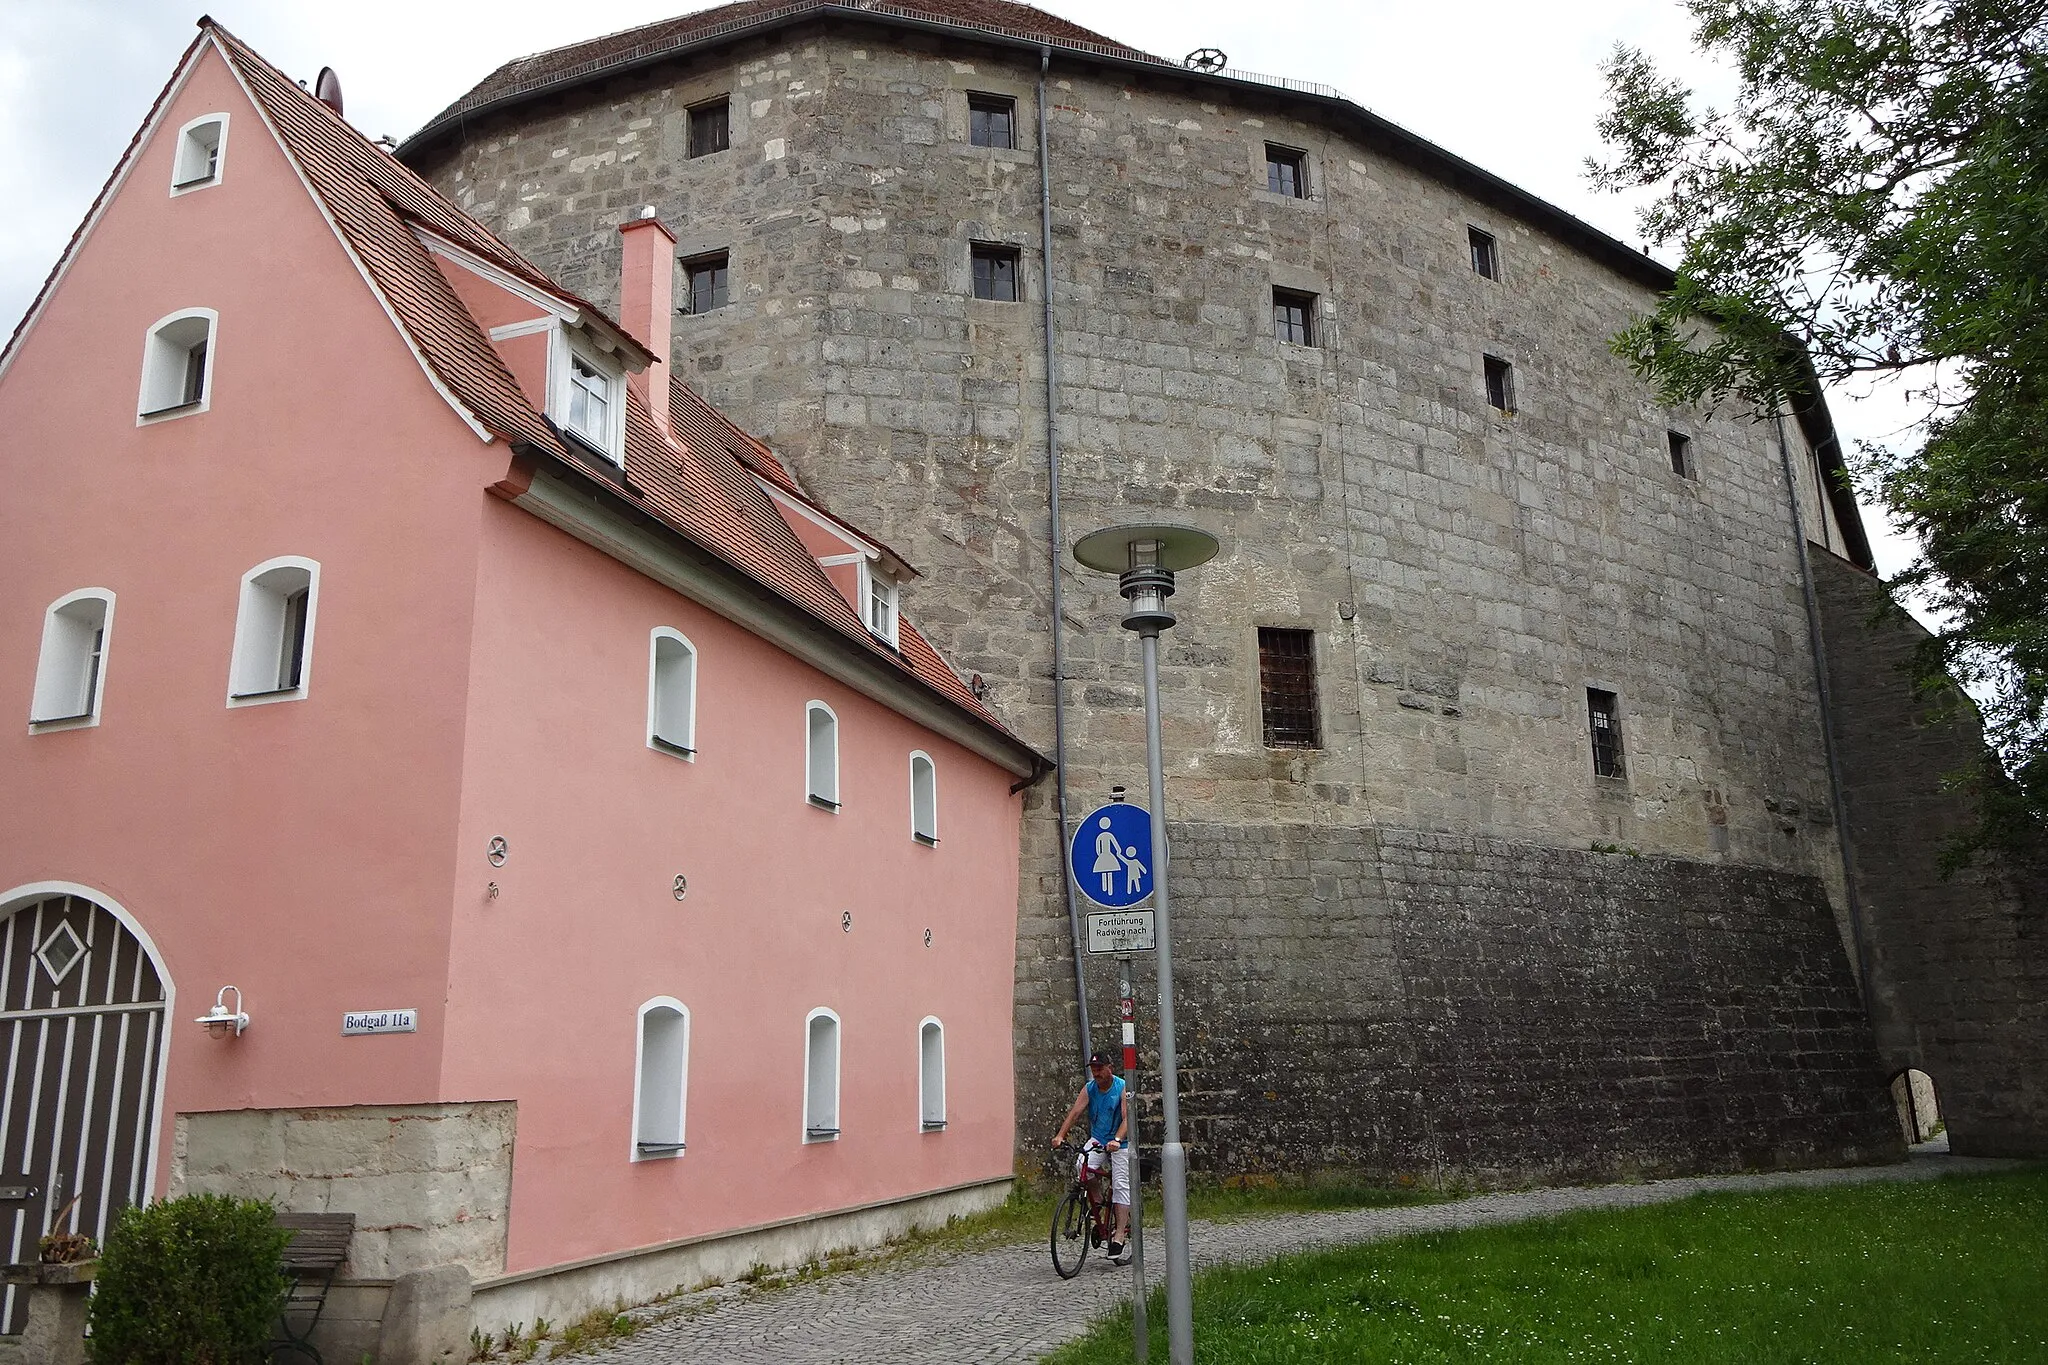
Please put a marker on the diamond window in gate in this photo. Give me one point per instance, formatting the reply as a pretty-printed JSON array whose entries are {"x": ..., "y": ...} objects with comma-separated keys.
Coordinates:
[{"x": 60, "y": 952}]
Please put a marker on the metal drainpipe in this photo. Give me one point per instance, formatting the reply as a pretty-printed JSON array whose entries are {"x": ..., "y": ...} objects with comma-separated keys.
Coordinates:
[
  {"x": 1827, "y": 725},
  {"x": 1059, "y": 628}
]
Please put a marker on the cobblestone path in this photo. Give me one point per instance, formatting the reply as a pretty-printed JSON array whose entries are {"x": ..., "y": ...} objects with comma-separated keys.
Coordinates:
[{"x": 1005, "y": 1303}]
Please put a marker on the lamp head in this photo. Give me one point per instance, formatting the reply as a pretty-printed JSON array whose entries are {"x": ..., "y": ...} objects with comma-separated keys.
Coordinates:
[
  {"x": 1145, "y": 557},
  {"x": 222, "y": 1022}
]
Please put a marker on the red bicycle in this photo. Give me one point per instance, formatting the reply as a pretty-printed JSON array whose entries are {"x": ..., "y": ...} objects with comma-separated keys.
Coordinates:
[{"x": 1083, "y": 1218}]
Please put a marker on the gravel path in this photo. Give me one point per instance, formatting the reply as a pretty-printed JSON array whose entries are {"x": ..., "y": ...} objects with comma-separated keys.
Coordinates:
[{"x": 1005, "y": 1304}]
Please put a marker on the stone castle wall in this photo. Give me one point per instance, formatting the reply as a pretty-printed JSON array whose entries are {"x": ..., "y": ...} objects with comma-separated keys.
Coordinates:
[
  {"x": 1468, "y": 574},
  {"x": 1958, "y": 965}
]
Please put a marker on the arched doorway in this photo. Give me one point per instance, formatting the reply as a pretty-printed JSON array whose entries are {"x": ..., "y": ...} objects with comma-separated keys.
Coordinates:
[
  {"x": 1919, "y": 1116},
  {"x": 82, "y": 1017}
]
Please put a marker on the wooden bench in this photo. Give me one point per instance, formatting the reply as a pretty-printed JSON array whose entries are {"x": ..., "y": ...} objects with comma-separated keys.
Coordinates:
[{"x": 318, "y": 1247}]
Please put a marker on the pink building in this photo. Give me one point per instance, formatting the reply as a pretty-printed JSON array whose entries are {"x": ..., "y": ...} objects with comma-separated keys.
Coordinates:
[{"x": 619, "y": 890}]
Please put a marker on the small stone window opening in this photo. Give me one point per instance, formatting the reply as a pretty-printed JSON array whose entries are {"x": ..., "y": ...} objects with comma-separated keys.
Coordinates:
[
  {"x": 1603, "y": 715},
  {"x": 821, "y": 756},
  {"x": 924, "y": 800},
  {"x": 1500, "y": 383},
  {"x": 1287, "y": 688},
  {"x": 1286, "y": 171},
  {"x": 70, "y": 667},
  {"x": 175, "y": 364},
  {"x": 1681, "y": 453},
  {"x": 706, "y": 281},
  {"x": 710, "y": 127},
  {"x": 662, "y": 1089},
  {"x": 1294, "y": 317},
  {"x": 992, "y": 121},
  {"x": 931, "y": 1076},
  {"x": 995, "y": 272},
  {"x": 1485, "y": 253},
  {"x": 274, "y": 631}
]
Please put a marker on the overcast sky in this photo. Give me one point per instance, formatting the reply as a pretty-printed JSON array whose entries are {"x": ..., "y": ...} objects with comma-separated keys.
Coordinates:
[{"x": 1509, "y": 84}]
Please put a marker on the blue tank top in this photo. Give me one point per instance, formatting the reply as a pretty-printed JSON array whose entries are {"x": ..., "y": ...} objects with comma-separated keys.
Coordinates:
[{"x": 1105, "y": 1109}]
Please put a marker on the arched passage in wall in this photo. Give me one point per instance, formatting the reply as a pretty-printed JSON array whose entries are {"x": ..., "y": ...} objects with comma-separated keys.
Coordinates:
[
  {"x": 1919, "y": 1113},
  {"x": 83, "y": 1009}
]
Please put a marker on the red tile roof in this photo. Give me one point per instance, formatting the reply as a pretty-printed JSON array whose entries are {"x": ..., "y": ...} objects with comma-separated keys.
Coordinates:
[
  {"x": 701, "y": 483},
  {"x": 528, "y": 75}
]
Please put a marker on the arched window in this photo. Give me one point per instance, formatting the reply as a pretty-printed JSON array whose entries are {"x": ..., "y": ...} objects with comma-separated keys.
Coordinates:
[
  {"x": 821, "y": 1076},
  {"x": 202, "y": 150},
  {"x": 672, "y": 693},
  {"x": 177, "y": 365},
  {"x": 72, "y": 668},
  {"x": 273, "y": 658},
  {"x": 931, "y": 1076},
  {"x": 821, "y": 755},
  {"x": 924, "y": 799},
  {"x": 662, "y": 1077}
]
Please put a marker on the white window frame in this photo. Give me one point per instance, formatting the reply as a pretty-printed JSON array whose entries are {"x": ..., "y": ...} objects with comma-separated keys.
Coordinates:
[
  {"x": 566, "y": 347},
  {"x": 259, "y": 634},
  {"x": 681, "y": 745},
  {"x": 824, "y": 800},
  {"x": 187, "y": 145},
  {"x": 924, "y": 824},
  {"x": 931, "y": 1109},
  {"x": 60, "y": 660},
  {"x": 166, "y": 362},
  {"x": 814, "y": 1131},
  {"x": 659, "y": 1147},
  {"x": 883, "y": 618}
]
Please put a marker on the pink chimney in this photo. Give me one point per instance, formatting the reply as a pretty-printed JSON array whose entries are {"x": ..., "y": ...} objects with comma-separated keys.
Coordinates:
[{"x": 646, "y": 298}]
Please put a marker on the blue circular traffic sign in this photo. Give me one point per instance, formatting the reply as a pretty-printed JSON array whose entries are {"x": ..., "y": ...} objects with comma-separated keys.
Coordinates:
[{"x": 1111, "y": 855}]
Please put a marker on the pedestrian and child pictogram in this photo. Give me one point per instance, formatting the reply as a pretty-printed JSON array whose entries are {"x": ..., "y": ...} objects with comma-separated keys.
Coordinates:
[{"x": 1112, "y": 853}]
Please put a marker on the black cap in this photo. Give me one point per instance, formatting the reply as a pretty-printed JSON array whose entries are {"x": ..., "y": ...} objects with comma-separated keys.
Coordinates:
[{"x": 1098, "y": 1059}]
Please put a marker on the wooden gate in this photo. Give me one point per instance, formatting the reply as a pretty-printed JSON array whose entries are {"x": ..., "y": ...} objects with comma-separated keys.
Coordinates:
[{"x": 81, "y": 1030}]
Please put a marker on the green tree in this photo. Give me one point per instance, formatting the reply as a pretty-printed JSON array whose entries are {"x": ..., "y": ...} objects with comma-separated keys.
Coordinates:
[{"x": 1875, "y": 202}]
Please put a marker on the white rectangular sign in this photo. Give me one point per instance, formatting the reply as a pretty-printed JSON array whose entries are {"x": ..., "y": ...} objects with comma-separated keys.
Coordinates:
[
  {"x": 1120, "y": 931},
  {"x": 380, "y": 1021}
]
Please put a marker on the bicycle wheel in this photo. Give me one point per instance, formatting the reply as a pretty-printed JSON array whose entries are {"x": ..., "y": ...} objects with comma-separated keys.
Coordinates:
[{"x": 1070, "y": 1233}]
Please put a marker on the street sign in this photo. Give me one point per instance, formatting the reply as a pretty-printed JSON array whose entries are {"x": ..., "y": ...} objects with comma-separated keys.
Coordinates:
[
  {"x": 1120, "y": 931},
  {"x": 1111, "y": 855},
  {"x": 357, "y": 1022}
]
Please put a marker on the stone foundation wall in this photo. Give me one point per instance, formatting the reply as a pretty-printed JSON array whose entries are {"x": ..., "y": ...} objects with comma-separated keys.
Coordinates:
[
  {"x": 1443, "y": 1007},
  {"x": 429, "y": 1184},
  {"x": 1958, "y": 966}
]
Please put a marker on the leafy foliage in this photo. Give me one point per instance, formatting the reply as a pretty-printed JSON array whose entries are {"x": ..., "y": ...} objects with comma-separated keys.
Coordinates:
[
  {"x": 1877, "y": 200},
  {"x": 191, "y": 1281}
]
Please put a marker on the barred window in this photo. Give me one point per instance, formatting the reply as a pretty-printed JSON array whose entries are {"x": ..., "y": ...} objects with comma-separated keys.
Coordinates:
[
  {"x": 1603, "y": 715},
  {"x": 1287, "y": 688}
]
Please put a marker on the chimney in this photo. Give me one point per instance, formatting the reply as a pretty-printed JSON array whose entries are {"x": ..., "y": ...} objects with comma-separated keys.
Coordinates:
[{"x": 646, "y": 299}]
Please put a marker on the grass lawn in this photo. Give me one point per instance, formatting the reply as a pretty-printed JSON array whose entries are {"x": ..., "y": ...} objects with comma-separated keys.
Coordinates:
[{"x": 1951, "y": 1270}]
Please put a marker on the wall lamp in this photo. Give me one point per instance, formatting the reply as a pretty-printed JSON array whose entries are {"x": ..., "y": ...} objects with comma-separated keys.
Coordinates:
[{"x": 222, "y": 1022}]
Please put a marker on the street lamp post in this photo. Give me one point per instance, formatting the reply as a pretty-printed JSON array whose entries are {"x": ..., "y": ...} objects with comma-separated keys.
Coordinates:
[{"x": 1145, "y": 559}]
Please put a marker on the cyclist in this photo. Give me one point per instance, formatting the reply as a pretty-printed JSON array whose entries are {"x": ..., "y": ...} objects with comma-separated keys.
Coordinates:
[{"x": 1108, "y": 1107}]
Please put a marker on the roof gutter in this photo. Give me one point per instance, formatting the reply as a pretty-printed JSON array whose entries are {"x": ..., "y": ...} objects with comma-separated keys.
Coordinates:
[{"x": 559, "y": 491}]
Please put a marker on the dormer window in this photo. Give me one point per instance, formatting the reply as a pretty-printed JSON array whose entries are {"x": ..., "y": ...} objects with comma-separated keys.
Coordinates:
[
  {"x": 202, "y": 143},
  {"x": 878, "y": 603},
  {"x": 590, "y": 398}
]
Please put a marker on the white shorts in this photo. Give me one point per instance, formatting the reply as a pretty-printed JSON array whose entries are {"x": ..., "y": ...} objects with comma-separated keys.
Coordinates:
[{"x": 1119, "y": 1170}]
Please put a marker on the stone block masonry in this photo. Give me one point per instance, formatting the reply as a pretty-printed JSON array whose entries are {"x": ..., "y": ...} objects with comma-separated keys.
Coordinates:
[
  {"x": 429, "y": 1184},
  {"x": 1958, "y": 965},
  {"x": 1468, "y": 573},
  {"x": 1431, "y": 1006}
]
